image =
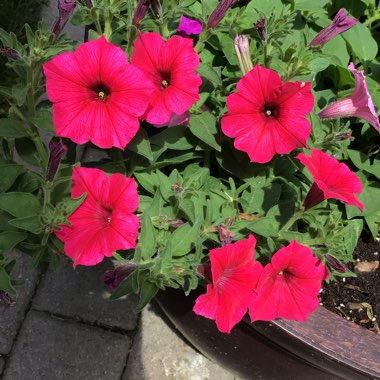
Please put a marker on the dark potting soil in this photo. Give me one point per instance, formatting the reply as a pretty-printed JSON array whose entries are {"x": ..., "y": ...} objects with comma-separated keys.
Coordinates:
[{"x": 358, "y": 298}]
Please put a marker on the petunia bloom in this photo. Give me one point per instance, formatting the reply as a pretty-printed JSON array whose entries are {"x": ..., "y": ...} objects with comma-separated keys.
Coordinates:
[
  {"x": 171, "y": 68},
  {"x": 359, "y": 104},
  {"x": 175, "y": 120},
  {"x": 104, "y": 222},
  {"x": 288, "y": 286},
  {"x": 234, "y": 276},
  {"x": 266, "y": 116},
  {"x": 189, "y": 26},
  {"x": 332, "y": 179},
  {"x": 340, "y": 24},
  {"x": 97, "y": 96}
]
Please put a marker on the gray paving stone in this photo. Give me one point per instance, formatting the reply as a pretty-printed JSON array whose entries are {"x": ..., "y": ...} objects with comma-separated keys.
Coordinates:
[
  {"x": 49, "y": 348},
  {"x": 80, "y": 294},
  {"x": 11, "y": 318},
  {"x": 2, "y": 363},
  {"x": 159, "y": 353}
]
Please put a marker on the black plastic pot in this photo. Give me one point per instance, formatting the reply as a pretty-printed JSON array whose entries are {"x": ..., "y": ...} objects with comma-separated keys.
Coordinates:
[{"x": 326, "y": 347}]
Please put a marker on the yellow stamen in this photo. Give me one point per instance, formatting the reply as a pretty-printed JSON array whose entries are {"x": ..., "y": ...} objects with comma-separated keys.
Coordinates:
[
  {"x": 268, "y": 112},
  {"x": 109, "y": 219},
  {"x": 280, "y": 273},
  {"x": 102, "y": 95},
  {"x": 165, "y": 83}
]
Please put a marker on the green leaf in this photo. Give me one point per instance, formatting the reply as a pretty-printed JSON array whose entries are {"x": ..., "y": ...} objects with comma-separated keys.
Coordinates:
[
  {"x": 177, "y": 138},
  {"x": 318, "y": 64},
  {"x": 140, "y": 145},
  {"x": 5, "y": 282},
  {"x": 28, "y": 223},
  {"x": 12, "y": 128},
  {"x": 209, "y": 73},
  {"x": 203, "y": 126},
  {"x": 148, "y": 181},
  {"x": 146, "y": 247},
  {"x": 27, "y": 151},
  {"x": 147, "y": 292},
  {"x": 362, "y": 43},
  {"x": 43, "y": 120},
  {"x": 337, "y": 49},
  {"x": 8, "y": 175},
  {"x": 20, "y": 204},
  {"x": 183, "y": 239},
  {"x": 9, "y": 239},
  {"x": 127, "y": 286},
  {"x": 370, "y": 196}
]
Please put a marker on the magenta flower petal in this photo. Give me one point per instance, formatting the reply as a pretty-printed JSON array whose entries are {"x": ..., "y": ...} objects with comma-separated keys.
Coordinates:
[
  {"x": 189, "y": 26},
  {"x": 288, "y": 287},
  {"x": 234, "y": 277},
  {"x": 266, "y": 116},
  {"x": 359, "y": 104},
  {"x": 340, "y": 24},
  {"x": 333, "y": 178},
  {"x": 104, "y": 222}
]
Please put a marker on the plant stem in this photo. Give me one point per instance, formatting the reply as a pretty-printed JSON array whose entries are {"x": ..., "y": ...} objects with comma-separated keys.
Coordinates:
[{"x": 297, "y": 215}]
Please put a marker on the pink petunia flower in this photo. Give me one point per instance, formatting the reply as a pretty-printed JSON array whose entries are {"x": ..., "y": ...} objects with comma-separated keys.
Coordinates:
[
  {"x": 104, "y": 222},
  {"x": 189, "y": 26},
  {"x": 332, "y": 179},
  {"x": 171, "y": 68},
  {"x": 234, "y": 276},
  {"x": 340, "y": 24},
  {"x": 266, "y": 116},
  {"x": 97, "y": 96},
  {"x": 288, "y": 287},
  {"x": 359, "y": 104},
  {"x": 175, "y": 120}
]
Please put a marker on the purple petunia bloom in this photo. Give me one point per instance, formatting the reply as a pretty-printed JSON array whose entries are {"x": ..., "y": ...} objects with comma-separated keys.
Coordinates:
[
  {"x": 359, "y": 104},
  {"x": 189, "y": 26},
  {"x": 340, "y": 24}
]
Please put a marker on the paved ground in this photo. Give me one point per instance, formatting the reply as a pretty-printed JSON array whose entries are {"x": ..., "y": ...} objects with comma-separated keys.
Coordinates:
[{"x": 63, "y": 326}]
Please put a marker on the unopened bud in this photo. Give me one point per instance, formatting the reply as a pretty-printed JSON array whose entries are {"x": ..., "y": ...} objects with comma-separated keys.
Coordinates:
[
  {"x": 261, "y": 28},
  {"x": 176, "y": 223},
  {"x": 341, "y": 136},
  {"x": 10, "y": 53},
  {"x": 243, "y": 53},
  {"x": 66, "y": 9},
  {"x": 57, "y": 152},
  {"x": 113, "y": 278},
  {"x": 225, "y": 235},
  {"x": 219, "y": 12},
  {"x": 140, "y": 12},
  {"x": 336, "y": 264},
  {"x": 156, "y": 9}
]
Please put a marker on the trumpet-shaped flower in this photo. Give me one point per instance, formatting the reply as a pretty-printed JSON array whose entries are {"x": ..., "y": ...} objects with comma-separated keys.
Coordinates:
[
  {"x": 288, "y": 287},
  {"x": 188, "y": 26},
  {"x": 332, "y": 179},
  {"x": 359, "y": 104},
  {"x": 104, "y": 222},
  {"x": 340, "y": 24},
  {"x": 97, "y": 96},
  {"x": 266, "y": 116},
  {"x": 170, "y": 66},
  {"x": 234, "y": 276}
]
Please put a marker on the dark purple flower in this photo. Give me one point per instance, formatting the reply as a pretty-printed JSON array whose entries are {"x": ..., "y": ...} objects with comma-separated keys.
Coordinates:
[
  {"x": 340, "y": 24},
  {"x": 140, "y": 12},
  {"x": 359, "y": 104},
  {"x": 57, "y": 151},
  {"x": 113, "y": 278},
  {"x": 336, "y": 264},
  {"x": 66, "y": 9},
  {"x": 219, "y": 12},
  {"x": 188, "y": 26}
]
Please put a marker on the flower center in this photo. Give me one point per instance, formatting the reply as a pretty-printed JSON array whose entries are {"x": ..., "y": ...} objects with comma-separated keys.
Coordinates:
[
  {"x": 108, "y": 214},
  {"x": 102, "y": 91},
  {"x": 271, "y": 109},
  {"x": 165, "y": 80}
]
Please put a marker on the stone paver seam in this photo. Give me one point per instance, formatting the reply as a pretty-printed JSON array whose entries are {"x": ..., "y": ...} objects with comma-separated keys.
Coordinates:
[
  {"x": 27, "y": 309},
  {"x": 132, "y": 337}
]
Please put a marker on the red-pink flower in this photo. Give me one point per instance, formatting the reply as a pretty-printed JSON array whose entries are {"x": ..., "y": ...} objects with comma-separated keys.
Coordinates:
[
  {"x": 359, "y": 104},
  {"x": 97, "y": 96},
  {"x": 288, "y": 287},
  {"x": 266, "y": 116},
  {"x": 332, "y": 179},
  {"x": 104, "y": 222},
  {"x": 171, "y": 68},
  {"x": 189, "y": 26},
  {"x": 234, "y": 276}
]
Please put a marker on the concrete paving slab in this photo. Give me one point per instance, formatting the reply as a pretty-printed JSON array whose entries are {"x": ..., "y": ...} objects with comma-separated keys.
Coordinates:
[
  {"x": 11, "y": 317},
  {"x": 49, "y": 348},
  {"x": 80, "y": 294},
  {"x": 2, "y": 364},
  {"x": 158, "y": 353}
]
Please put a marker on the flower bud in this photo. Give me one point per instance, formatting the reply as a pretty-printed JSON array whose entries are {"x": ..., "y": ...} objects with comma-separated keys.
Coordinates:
[
  {"x": 341, "y": 136},
  {"x": 57, "y": 152},
  {"x": 140, "y": 12},
  {"x": 66, "y": 9},
  {"x": 336, "y": 264},
  {"x": 243, "y": 53},
  {"x": 261, "y": 28},
  {"x": 225, "y": 235},
  {"x": 11, "y": 53},
  {"x": 219, "y": 12},
  {"x": 156, "y": 9},
  {"x": 113, "y": 278}
]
